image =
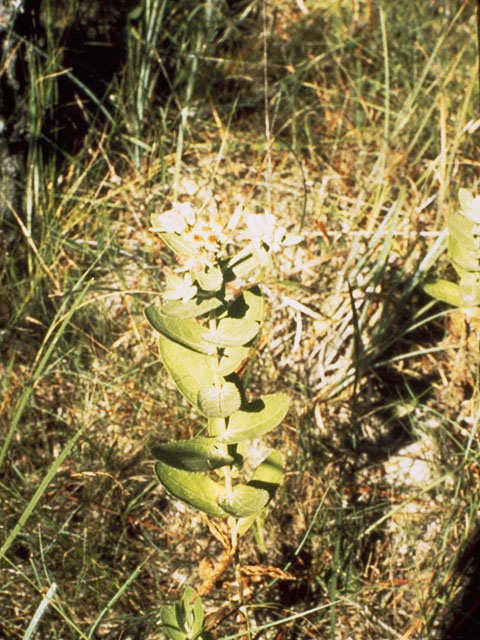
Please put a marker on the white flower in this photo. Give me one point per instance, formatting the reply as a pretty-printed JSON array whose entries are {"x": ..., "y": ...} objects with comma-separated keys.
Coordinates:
[
  {"x": 175, "y": 220},
  {"x": 261, "y": 229},
  {"x": 179, "y": 288}
]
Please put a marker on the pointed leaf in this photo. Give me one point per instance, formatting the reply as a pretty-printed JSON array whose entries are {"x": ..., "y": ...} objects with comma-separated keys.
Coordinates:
[
  {"x": 190, "y": 614},
  {"x": 244, "y": 500},
  {"x": 258, "y": 418},
  {"x": 200, "y": 454},
  {"x": 192, "y": 308},
  {"x": 219, "y": 402},
  {"x": 184, "y": 619},
  {"x": 189, "y": 369},
  {"x": 195, "y": 489},
  {"x": 232, "y": 332},
  {"x": 181, "y": 330},
  {"x": 170, "y": 623}
]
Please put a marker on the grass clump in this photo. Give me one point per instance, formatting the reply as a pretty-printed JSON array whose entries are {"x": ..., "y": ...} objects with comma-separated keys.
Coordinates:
[{"x": 356, "y": 124}]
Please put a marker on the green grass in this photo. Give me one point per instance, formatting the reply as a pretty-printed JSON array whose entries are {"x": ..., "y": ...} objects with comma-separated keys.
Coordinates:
[{"x": 368, "y": 106}]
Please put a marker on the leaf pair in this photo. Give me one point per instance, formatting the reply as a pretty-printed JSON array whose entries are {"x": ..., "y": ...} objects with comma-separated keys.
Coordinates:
[
  {"x": 181, "y": 463},
  {"x": 199, "y": 358},
  {"x": 208, "y": 453},
  {"x": 203, "y": 493}
]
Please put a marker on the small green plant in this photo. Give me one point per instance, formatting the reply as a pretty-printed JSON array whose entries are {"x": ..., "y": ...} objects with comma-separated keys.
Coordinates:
[
  {"x": 184, "y": 620},
  {"x": 208, "y": 330},
  {"x": 464, "y": 255}
]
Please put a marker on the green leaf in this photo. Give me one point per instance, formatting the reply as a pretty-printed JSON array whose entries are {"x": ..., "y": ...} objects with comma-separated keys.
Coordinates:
[
  {"x": 200, "y": 454},
  {"x": 244, "y": 500},
  {"x": 183, "y": 620},
  {"x": 219, "y": 402},
  {"x": 195, "y": 489},
  {"x": 258, "y": 418},
  {"x": 463, "y": 258},
  {"x": 189, "y": 369},
  {"x": 445, "y": 291},
  {"x": 192, "y": 308},
  {"x": 461, "y": 228},
  {"x": 463, "y": 245},
  {"x": 135, "y": 13},
  {"x": 232, "y": 358},
  {"x": 170, "y": 623},
  {"x": 210, "y": 279},
  {"x": 248, "y": 305},
  {"x": 232, "y": 332},
  {"x": 181, "y": 330},
  {"x": 241, "y": 266},
  {"x": 268, "y": 476}
]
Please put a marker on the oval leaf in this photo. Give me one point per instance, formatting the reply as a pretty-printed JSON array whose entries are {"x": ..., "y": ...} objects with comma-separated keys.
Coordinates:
[
  {"x": 461, "y": 228},
  {"x": 219, "y": 402},
  {"x": 181, "y": 330},
  {"x": 210, "y": 279},
  {"x": 462, "y": 257},
  {"x": 232, "y": 358},
  {"x": 192, "y": 308},
  {"x": 268, "y": 475},
  {"x": 189, "y": 369},
  {"x": 200, "y": 454},
  {"x": 232, "y": 332},
  {"x": 258, "y": 418},
  {"x": 242, "y": 267},
  {"x": 195, "y": 489},
  {"x": 244, "y": 501},
  {"x": 248, "y": 306},
  {"x": 170, "y": 623},
  {"x": 445, "y": 291},
  {"x": 183, "y": 620}
]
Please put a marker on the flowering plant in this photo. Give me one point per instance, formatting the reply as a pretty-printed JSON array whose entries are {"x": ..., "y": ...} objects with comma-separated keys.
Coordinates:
[
  {"x": 205, "y": 336},
  {"x": 464, "y": 255}
]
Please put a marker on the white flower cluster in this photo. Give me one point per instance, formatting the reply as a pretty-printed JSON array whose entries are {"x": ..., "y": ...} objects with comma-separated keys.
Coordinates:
[
  {"x": 205, "y": 237},
  {"x": 262, "y": 229}
]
